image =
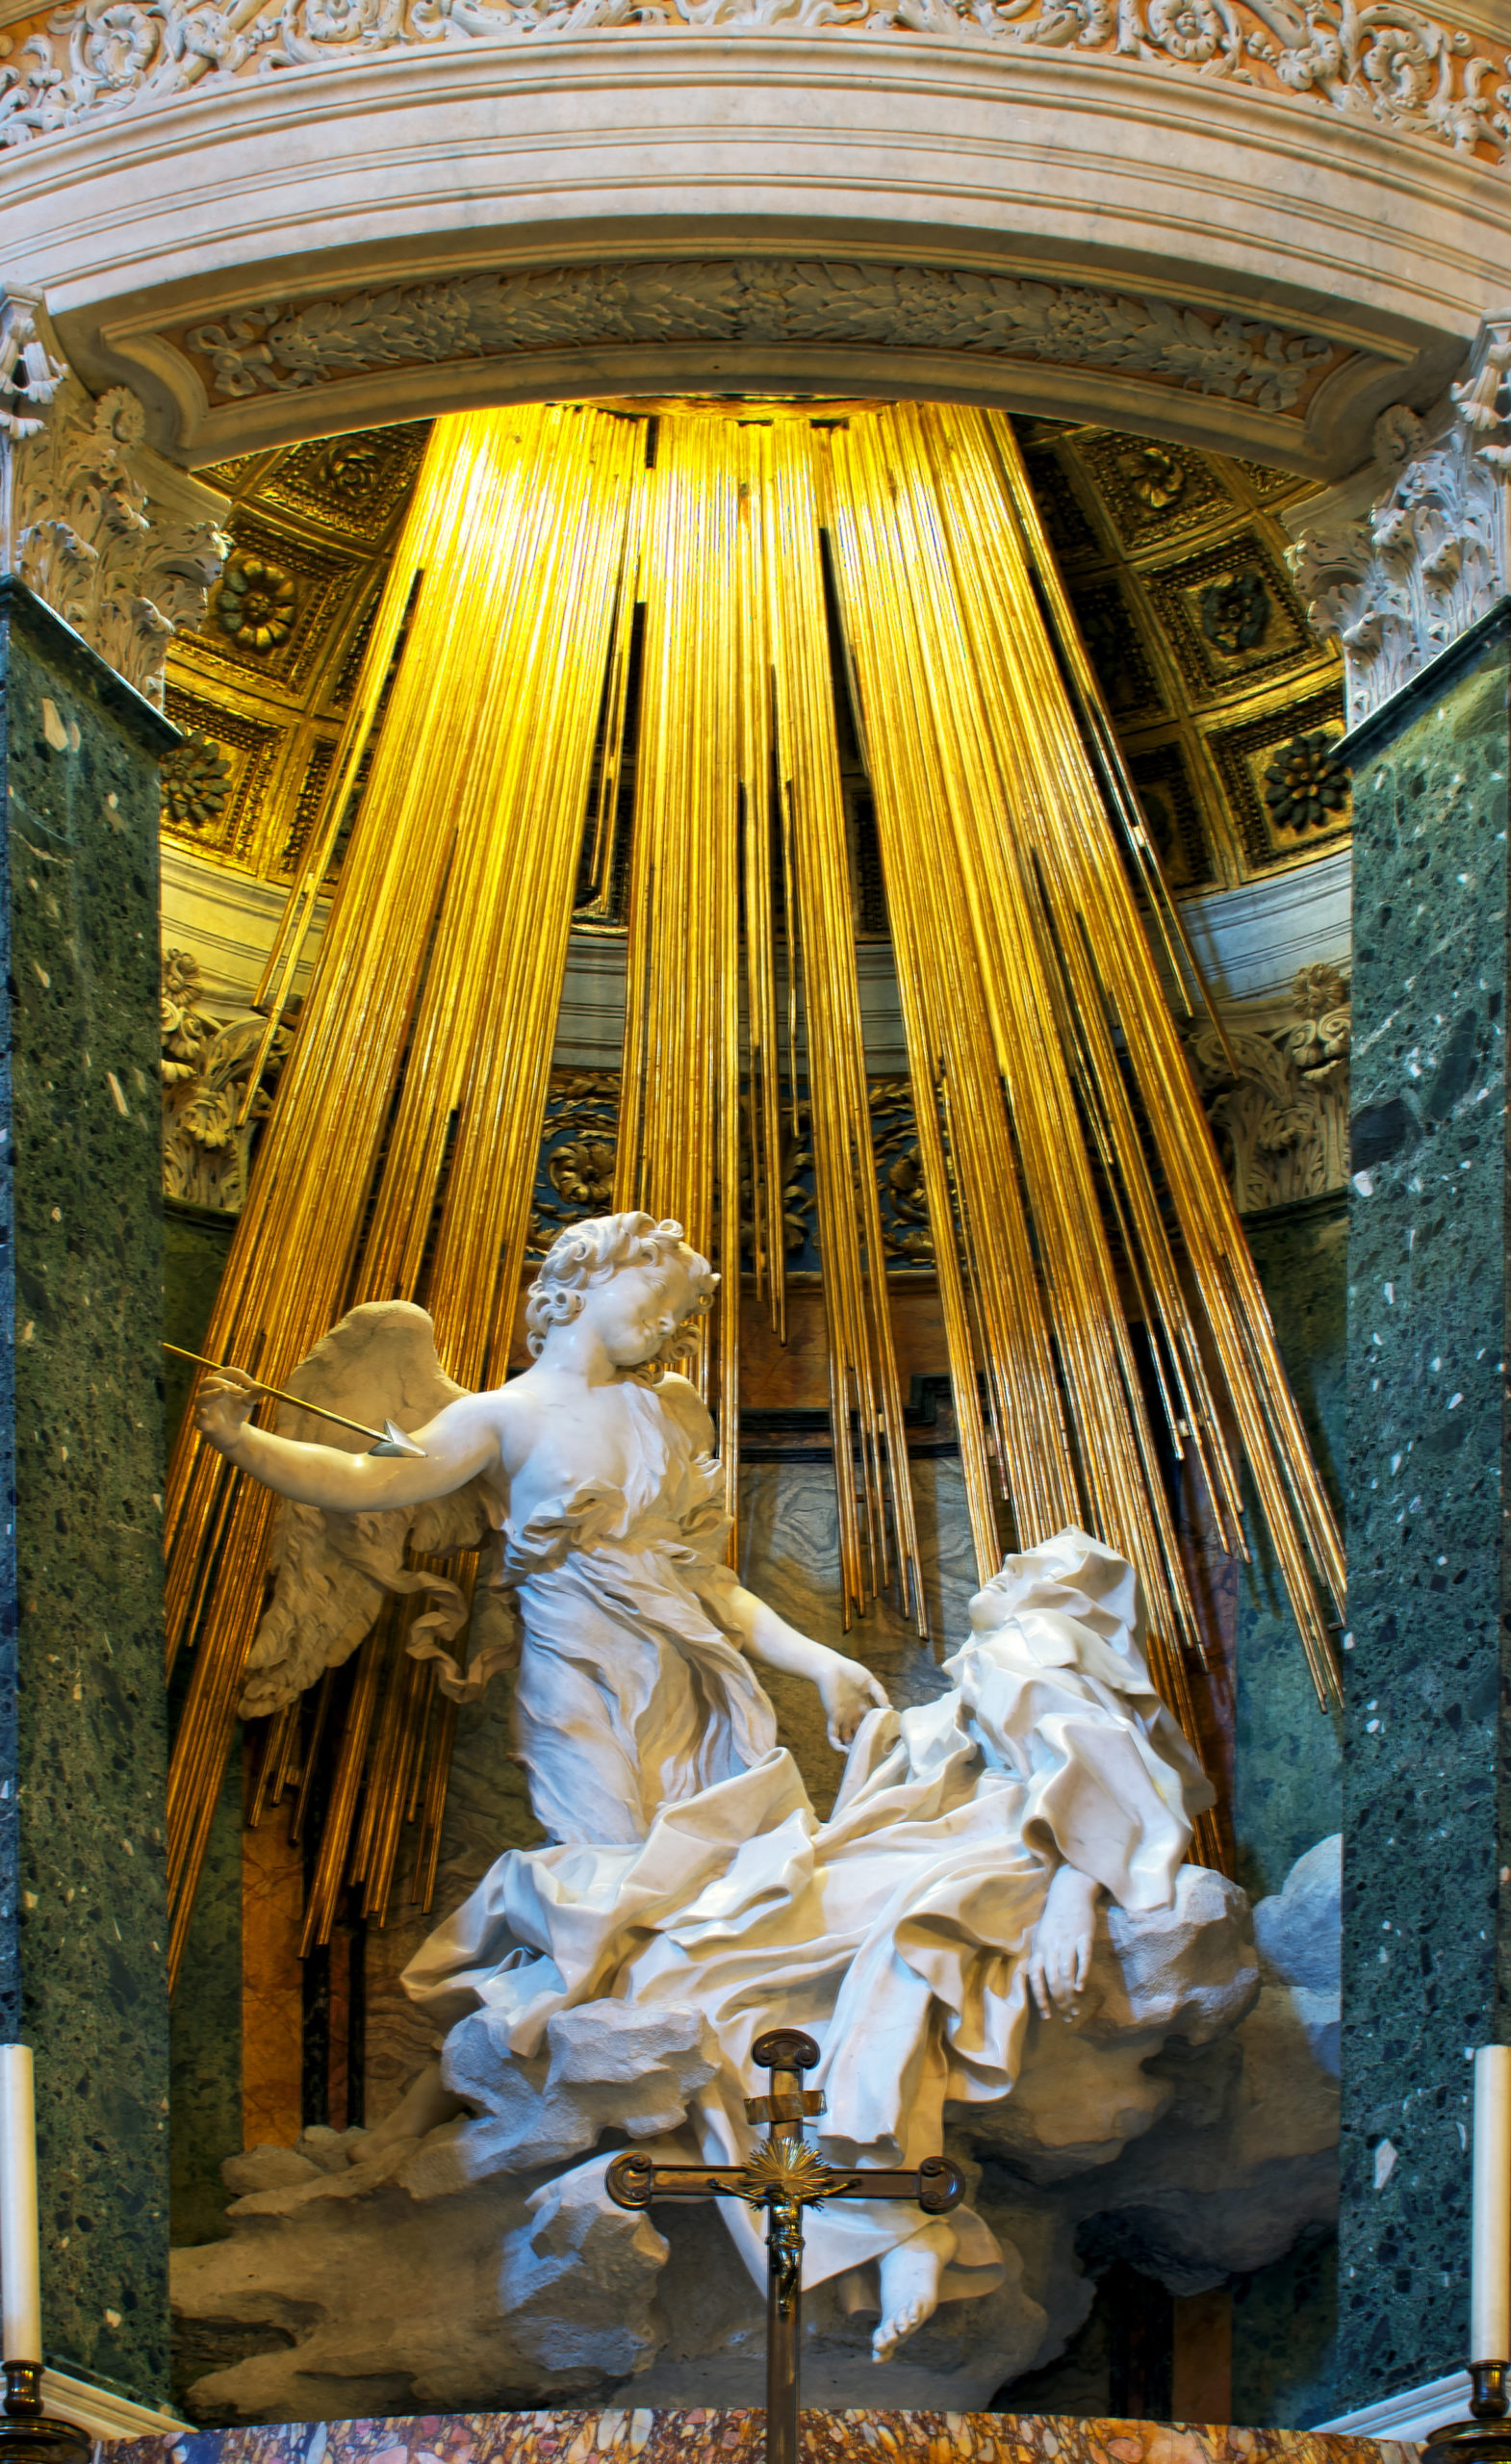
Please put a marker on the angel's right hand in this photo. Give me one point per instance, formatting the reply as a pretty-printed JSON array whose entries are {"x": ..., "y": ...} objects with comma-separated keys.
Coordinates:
[{"x": 223, "y": 1405}]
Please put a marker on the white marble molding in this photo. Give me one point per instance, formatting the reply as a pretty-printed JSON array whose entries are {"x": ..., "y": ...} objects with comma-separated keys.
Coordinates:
[{"x": 941, "y": 210}]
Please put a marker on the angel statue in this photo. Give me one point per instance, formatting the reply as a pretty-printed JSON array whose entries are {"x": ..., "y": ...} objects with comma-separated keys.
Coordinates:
[
  {"x": 594, "y": 1474},
  {"x": 948, "y": 1904}
]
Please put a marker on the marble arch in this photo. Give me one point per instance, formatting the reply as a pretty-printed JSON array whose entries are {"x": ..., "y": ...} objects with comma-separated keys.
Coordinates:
[{"x": 282, "y": 225}]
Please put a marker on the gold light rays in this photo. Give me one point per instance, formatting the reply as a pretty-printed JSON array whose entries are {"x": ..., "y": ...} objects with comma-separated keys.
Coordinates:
[
  {"x": 738, "y": 755},
  {"x": 1026, "y": 982},
  {"x": 1070, "y": 1178},
  {"x": 423, "y": 1049}
]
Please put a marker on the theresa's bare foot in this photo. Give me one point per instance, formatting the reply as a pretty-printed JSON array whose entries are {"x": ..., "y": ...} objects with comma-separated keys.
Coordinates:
[{"x": 910, "y": 2286}]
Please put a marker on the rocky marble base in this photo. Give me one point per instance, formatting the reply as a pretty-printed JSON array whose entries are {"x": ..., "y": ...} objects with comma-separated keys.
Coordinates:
[{"x": 654, "y": 2436}]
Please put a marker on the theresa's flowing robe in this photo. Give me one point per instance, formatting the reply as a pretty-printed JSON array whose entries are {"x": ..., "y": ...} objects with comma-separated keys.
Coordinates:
[{"x": 898, "y": 1932}]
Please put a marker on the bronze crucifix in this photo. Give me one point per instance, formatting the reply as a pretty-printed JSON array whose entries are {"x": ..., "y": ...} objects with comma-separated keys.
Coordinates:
[{"x": 784, "y": 2176}]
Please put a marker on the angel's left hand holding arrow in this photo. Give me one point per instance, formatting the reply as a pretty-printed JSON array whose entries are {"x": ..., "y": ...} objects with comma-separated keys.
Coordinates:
[
  {"x": 462, "y": 1439},
  {"x": 224, "y": 1405}
]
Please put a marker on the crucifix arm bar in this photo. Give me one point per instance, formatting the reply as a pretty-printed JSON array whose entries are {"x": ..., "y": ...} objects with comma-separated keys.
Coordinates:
[{"x": 632, "y": 2180}]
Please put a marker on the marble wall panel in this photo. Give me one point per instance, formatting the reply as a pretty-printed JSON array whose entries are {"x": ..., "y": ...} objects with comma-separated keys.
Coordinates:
[
  {"x": 653, "y": 2436},
  {"x": 1424, "y": 1947},
  {"x": 1287, "y": 1752},
  {"x": 272, "y": 1984},
  {"x": 82, "y": 1739}
]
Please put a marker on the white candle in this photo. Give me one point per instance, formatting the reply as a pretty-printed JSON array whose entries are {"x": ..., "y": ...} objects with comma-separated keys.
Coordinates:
[
  {"x": 20, "y": 2265},
  {"x": 1490, "y": 2285}
]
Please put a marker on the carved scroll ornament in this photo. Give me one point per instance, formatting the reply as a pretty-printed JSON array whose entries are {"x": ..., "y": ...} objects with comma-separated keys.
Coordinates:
[
  {"x": 1281, "y": 1116},
  {"x": 1398, "y": 65},
  {"x": 208, "y": 1062}
]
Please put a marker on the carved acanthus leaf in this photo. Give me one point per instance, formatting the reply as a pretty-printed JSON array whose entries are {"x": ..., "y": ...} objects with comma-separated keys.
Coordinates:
[
  {"x": 278, "y": 349},
  {"x": 1397, "y": 584},
  {"x": 1403, "y": 66},
  {"x": 83, "y": 534}
]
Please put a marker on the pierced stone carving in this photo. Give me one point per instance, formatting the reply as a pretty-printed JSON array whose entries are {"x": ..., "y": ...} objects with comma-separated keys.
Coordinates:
[
  {"x": 1281, "y": 1119},
  {"x": 278, "y": 349},
  {"x": 1403, "y": 66},
  {"x": 1400, "y": 583},
  {"x": 206, "y": 1064},
  {"x": 73, "y": 480},
  {"x": 29, "y": 375}
]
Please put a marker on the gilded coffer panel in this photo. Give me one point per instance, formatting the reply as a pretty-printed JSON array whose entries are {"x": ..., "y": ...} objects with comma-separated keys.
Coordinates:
[
  {"x": 266, "y": 679},
  {"x": 1174, "y": 560},
  {"x": 1226, "y": 705}
]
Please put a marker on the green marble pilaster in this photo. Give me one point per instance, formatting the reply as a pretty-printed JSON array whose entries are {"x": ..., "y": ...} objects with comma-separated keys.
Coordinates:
[
  {"x": 82, "y": 1728},
  {"x": 1286, "y": 1799},
  {"x": 1427, "y": 1842}
]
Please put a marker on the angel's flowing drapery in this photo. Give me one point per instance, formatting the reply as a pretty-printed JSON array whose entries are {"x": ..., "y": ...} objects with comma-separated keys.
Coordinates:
[
  {"x": 632, "y": 1693},
  {"x": 898, "y": 1933}
]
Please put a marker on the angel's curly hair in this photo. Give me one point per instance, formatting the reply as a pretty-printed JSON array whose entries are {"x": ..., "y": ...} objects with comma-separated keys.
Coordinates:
[{"x": 593, "y": 1251}]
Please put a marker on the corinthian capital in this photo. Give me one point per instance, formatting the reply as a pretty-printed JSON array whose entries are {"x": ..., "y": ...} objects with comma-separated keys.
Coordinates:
[
  {"x": 123, "y": 546},
  {"x": 1398, "y": 562}
]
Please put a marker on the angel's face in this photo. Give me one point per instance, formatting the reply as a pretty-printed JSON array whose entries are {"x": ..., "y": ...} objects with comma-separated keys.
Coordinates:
[{"x": 640, "y": 1307}]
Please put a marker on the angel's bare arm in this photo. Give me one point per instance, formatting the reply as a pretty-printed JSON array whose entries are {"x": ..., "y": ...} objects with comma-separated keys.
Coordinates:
[
  {"x": 462, "y": 1439},
  {"x": 846, "y": 1689}
]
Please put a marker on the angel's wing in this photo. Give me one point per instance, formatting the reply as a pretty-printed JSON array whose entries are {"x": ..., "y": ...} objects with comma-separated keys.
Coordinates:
[{"x": 331, "y": 1572}]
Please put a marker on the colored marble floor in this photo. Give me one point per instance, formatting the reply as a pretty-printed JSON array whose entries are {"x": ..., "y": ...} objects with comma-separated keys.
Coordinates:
[{"x": 736, "y": 2438}]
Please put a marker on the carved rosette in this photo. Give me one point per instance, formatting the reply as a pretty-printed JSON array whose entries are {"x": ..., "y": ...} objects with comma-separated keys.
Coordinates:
[
  {"x": 120, "y": 544},
  {"x": 1398, "y": 583}
]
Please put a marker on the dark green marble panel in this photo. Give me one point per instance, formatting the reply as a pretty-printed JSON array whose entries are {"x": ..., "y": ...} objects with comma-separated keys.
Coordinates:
[
  {"x": 195, "y": 1247},
  {"x": 1287, "y": 1779},
  {"x": 82, "y": 1937},
  {"x": 1424, "y": 1820},
  {"x": 1285, "y": 2339},
  {"x": 206, "y": 2038},
  {"x": 207, "y": 2004}
]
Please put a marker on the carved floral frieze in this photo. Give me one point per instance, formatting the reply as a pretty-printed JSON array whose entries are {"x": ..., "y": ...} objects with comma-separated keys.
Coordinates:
[
  {"x": 1403, "y": 68},
  {"x": 82, "y": 527},
  {"x": 284, "y": 348},
  {"x": 1397, "y": 583},
  {"x": 1277, "y": 1097}
]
